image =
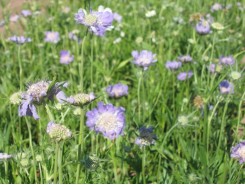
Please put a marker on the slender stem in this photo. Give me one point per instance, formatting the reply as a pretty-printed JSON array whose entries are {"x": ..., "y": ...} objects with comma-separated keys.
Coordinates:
[
  {"x": 56, "y": 162},
  {"x": 20, "y": 69},
  {"x": 138, "y": 94},
  {"x": 143, "y": 165},
  {"x": 114, "y": 161},
  {"x": 60, "y": 162}
]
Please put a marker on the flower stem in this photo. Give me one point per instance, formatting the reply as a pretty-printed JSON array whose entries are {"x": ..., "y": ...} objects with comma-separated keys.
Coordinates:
[
  {"x": 60, "y": 162},
  {"x": 56, "y": 162},
  {"x": 143, "y": 165},
  {"x": 20, "y": 69},
  {"x": 138, "y": 94}
]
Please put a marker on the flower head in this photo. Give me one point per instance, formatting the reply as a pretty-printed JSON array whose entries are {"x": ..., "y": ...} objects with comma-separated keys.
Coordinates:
[
  {"x": 19, "y": 40},
  {"x": 235, "y": 75},
  {"x": 4, "y": 156},
  {"x": 151, "y": 13},
  {"x": 185, "y": 58},
  {"x": 106, "y": 119},
  {"x": 26, "y": 13},
  {"x": 184, "y": 75},
  {"x": 216, "y": 7},
  {"x": 14, "y": 18},
  {"x": 172, "y": 65},
  {"x": 238, "y": 152},
  {"x": 117, "y": 17},
  {"x": 144, "y": 58},
  {"x": 146, "y": 137},
  {"x": 52, "y": 37},
  {"x": 15, "y": 98},
  {"x": 81, "y": 99},
  {"x": 66, "y": 57},
  {"x": 226, "y": 60},
  {"x": 117, "y": 90},
  {"x": 203, "y": 27},
  {"x": 226, "y": 87},
  {"x": 58, "y": 132}
]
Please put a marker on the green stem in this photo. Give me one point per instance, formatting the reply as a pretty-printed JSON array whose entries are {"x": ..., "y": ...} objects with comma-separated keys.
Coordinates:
[
  {"x": 138, "y": 94},
  {"x": 20, "y": 69},
  {"x": 60, "y": 162},
  {"x": 56, "y": 162},
  {"x": 143, "y": 165},
  {"x": 114, "y": 161}
]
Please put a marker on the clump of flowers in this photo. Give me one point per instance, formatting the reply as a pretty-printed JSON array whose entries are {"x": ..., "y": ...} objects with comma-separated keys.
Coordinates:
[
  {"x": 146, "y": 137},
  {"x": 19, "y": 39},
  {"x": 52, "y": 37},
  {"x": 173, "y": 65},
  {"x": 81, "y": 99},
  {"x": 58, "y": 132},
  {"x": 144, "y": 58},
  {"x": 97, "y": 21},
  {"x": 238, "y": 152},
  {"x": 226, "y": 60},
  {"x": 106, "y": 119},
  {"x": 117, "y": 90},
  {"x": 226, "y": 87},
  {"x": 184, "y": 75},
  {"x": 185, "y": 58},
  {"x": 203, "y": 27},
  {"x": 66, "y": 57}
]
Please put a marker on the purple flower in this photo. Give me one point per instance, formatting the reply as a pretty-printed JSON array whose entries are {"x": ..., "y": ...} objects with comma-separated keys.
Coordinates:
[
  {"x": 66, "y": 57},
  {"x": 19, "y": 40},
  {"x": 144, "y": 58},
  {"x": 117, "y": 17},
  {"x": 238, "y": 152},
  {"x": 107, "y": 119},
  {"x": 226, "y": 60},
  {"x": 97, "y": 21},
  {"x": 81, "y": 99},
  {"x": 172, "y": 65},
  {"x": 117, "y": 90},
  {"x": 26, "y": 13},
  {"x": 226, "y": 87},
  {"x": 212, "y": 68},
  {"x": 52, "y": 37},
  {"x": 216, "y": 7},
  {"x": 185, "y": 58},
  {"x": 26, "y": 108},
  {"x": 184, "y": 75},
  {"x": 203, "y": 27},
  {"x": 146, "y": 137}
]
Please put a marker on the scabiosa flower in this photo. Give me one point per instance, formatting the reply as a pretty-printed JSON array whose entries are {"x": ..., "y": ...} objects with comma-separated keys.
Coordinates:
[
  {"x": 226, "y": 60},
  {"x": 117, "y": 17},
  {"x": 172, "y": 65},
  {"x": 238, "y": 152},
  {"x": 106, "y": 119},
  {"x": 185, "y": 58},
  {"x": 97, "y": 21},
  {"x": 26, "y": 13},
  {"x": 66, "y": 57},
  {"x": 235, "y": 75},
  {"x": 117, "y": 90},
  {"x": 14, "y": 18},
  {"x": 144, "y": 58},
  {"x": 184, "y": 75},
  {"x": 212, "y": 68},
  {"x": 216, "y": 7},
  {"x": 203, "y": 27},
  {"x": 146, "y": 137},
  {"x": 226, "y": 87},
  {"x": 58, "y": 132},
  {"x": 19, "y": 40},
  {"x": 4, "y": 156},
  {"x": 52, "y": 37},
  {"x": 81, "y": 99}
]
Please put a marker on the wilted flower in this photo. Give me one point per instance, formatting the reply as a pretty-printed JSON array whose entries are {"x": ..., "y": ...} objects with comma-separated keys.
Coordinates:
[
  {"x": 226, "y": 87},
  {"x": 81, "y": 99},
  {"x": 15, "y": 98},
  {"x": 195, "y": 17},
  {"x": 107, "y": 119},
  {"x": 58, "y": 132},
  {"x": 97, "y": 21},
  {"x": 26, "y": 13},
  {"x": 226, "y": 60},
  {"x": 14, "y": 18},
  {"x": 117, "y": 90},
  {"x": 52, "y": 37},
  {"x": 4, "y": 156},
  {"x": 238, "y": 152},
  {"x": 172, "y": 65},
  {"x": 184, "y": 75},
  {"x": 66, "y": 57},
  {"x": 146, "y": 137},
  {"x": 19, "y": 40},
  {"x": 216, "y": 7},
  {"x": 151, "y": 13},
  {"x": 144, "y": 58},
  {"x": 203, "y": 27},
  {"x": 185, "y": 58},
  {"x": 198, "y": 102}
]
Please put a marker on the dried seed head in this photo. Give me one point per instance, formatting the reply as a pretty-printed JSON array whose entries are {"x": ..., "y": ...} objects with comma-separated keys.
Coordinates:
[{"x": 198, "y": 102}]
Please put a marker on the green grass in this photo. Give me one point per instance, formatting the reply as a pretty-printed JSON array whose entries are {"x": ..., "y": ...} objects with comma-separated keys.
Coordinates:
[{"x": 197, "y": 152}]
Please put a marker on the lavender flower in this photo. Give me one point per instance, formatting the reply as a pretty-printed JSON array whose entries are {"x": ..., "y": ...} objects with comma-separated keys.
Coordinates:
[
  {"x": 117, "y": 17},
  {"x": 185, "y": 58},
  {"x": 226, "y": 60},
  {"x": 81, "y": 99},
  {"x": 184, "y": 75},
  {"x": 107, "y": 119},
  {"x": 226, "y": 87},
  {"x": 238, "y": 152},
  {"x": 26, "y": 108},
  {"x": 26, "y": 13},
  {"x": 58, "y": 132},
  {"x": 212, "y": 68},
  {"x": 66, "y": 57},
  {"x": 52, "y": 37},
  {"x": 4, "y": 156},
  {"x": 203, "y": 27},
  {"x": 216, "y": 7},
  {"x": 97, "y": 21},
  {"x": 172, "y": 65},
  {"x": 144, "y": 58},
  {"x": 19, "y": 40},
  {"x": 117, "y": 90},
  {"x": 146, "y": 137}
]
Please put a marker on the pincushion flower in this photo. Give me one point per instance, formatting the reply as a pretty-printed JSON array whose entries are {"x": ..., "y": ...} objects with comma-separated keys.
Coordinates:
[
  {"x": 146, "y": 137},
  {"x": 26, "y": 13},
  {"x": 184, "y": 75},
  {"x": 81, "y": 99},
  {"x": 238, "y": 152},
  {"x": 106, "y": 119},
  {"x": 97, "y": 21},
  {"x": 117, "y": 90},
  {"x": 58, "y": 132},
  {"x": 173, "y": 65},
  {"x": 226, "y": 87},
  {"x": 203, "y": 27},
  {"x": 226, "y": 60},
  {"x": 185, "y": 58},
  {"x": 216, "y": 7},
  {"x": 144, "y": 58},
  {"x": 19, "y": 39},
  {"x": 52, "y": 37},
  {"x": 66, "y": 57}
]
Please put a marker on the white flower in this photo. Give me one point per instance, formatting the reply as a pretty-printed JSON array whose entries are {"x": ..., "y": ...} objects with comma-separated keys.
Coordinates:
[{"x": 151, "y": 13}]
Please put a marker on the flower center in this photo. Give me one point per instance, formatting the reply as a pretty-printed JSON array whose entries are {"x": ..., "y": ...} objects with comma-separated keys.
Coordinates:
[
  {"x": 38, "y": 90},
  {"x": 241, "y": 152},
  {"x": 90, "y": 20},
  {"x": 144, "y": 61},
  {"x": 107, "y": 121}
]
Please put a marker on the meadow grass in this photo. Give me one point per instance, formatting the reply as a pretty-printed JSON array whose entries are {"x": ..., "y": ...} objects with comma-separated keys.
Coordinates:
[{"x": 194, "y": 140}]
